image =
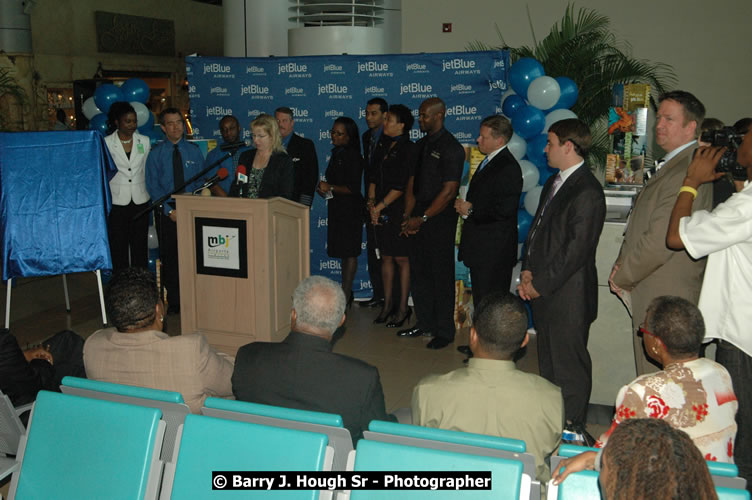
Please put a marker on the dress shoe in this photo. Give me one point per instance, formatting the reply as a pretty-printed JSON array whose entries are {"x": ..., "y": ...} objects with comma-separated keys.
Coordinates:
[
  {"x": 411, "y": 332},
  {"x": 465, "y": 349},
  {"x": 438, "y": 343},
  {"x": 372, "y": 303}
]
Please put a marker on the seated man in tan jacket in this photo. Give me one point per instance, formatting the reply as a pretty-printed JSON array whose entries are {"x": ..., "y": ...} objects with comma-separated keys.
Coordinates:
[{"x": 137, "y": 352}]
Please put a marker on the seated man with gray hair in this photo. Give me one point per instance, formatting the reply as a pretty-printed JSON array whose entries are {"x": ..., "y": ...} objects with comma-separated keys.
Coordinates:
[{"x": 302, "y": 372}]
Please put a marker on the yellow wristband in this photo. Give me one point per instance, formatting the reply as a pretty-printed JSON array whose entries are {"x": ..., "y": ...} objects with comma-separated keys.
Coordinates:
[{"x": 690, "y": 190}]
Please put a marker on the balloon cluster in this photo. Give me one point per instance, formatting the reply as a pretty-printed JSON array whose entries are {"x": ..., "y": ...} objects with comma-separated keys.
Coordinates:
[
  {"x": 533, "y": 104},
  {"x": 133, "y": 91}
]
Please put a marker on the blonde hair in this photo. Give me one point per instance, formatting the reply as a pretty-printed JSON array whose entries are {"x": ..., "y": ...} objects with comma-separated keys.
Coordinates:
[{"x": 269, "y": 124}]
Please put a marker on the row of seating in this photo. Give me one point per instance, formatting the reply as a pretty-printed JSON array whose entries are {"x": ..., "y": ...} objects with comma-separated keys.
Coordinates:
[{"x": 175, "y": 452}]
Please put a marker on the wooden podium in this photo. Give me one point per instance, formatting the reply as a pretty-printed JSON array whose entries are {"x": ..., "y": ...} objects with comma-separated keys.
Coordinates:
[{"x": 233, "y": 311}]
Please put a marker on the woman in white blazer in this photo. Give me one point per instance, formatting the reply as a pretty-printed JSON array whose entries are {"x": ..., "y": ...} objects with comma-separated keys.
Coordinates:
[{"x": 128, "y": 149}]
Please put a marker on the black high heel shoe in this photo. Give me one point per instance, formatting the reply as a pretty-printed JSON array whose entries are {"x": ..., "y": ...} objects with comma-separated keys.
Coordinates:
[
  {"x": 406, "y": 317},
  {"x": 383, "y": 315}
]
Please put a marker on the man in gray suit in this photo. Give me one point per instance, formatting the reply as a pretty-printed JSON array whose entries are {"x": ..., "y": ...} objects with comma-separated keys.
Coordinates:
[{"x": 646, "y": 268}]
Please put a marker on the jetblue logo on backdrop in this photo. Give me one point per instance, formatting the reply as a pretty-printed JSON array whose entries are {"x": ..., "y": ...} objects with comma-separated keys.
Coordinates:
[
  {"x": 324, "y": 134},
  {"x": 461, "y": 88},
  {"x": 460, "y": 66},
  {"x": 333, "y": 113},
  {"x": 301, "y": 116},
  {"x": 331, "y": 264},
  {"x": 415, "y": 134},
  {"x": 254, "y": 113},
  {"x": 464, "y": 137},
  {"x": 294, "y": 70},
  {"x": 219, "y": 91},
  {"x": 497, "y": 84},
  {"x": 374, "y": 68},
  {"x": 498, "y": 64},
  {"x": 218, "y": 70},
  {"x": 255, "y": 70},
  {"x": 462, "y": 112},
  {"x": 246, "y": 134},
  {"x": 416, "y": 90},
  {"x": 322, "y": 222},
  {"x": 256, "y": 91},
  {"x": 334, "y": 91},
  {"x": 295, "y": 91},
  {"x": 375, "y": 90},
  {"x": 334, "y": 69},
  {"x": 192, "y": 94},
  {"x": 416, "y": 68},
  {"x": 361, "y": 113},
  {"x": 218, "y": 111}
]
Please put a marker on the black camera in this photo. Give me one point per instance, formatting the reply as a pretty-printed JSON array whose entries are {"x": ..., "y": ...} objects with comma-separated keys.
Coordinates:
[{"x": 729, "y": 138}]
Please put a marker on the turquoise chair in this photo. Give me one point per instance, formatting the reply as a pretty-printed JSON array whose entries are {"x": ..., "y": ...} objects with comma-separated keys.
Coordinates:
[
  {"x": 731, "y": 493},
  {"x": 207, "y": 444},
  {"x": 507, "y": 480},
  {"x": 289, "y": 418},
  {"x": 724, "y": 475},
  {"x": 581, "y": 485},
  {"x": 170, "y": 403},
  {"x": 460, "y": 442},
  {"x": 87, "y": 448}
]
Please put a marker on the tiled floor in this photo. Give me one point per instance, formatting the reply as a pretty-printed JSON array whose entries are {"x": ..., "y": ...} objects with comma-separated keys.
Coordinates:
[{"x": 38, "y": 311}]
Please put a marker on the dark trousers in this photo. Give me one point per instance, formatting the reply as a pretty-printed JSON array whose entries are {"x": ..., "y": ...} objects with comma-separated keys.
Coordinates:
[
  {"x": 127, "y": 234},
  {"x": 432, "y": 274},
  {"x": 739, "y": 366},
  {"x": 563, "y": 358},
  {"x": 168, "y": 251},
  {"x": 374, "y": 264},
  {"x": 67, "y": 349},
  {"x": 488, "y": 278}
]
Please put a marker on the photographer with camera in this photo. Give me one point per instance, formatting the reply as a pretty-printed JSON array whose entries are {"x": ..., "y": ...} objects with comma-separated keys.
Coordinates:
[{"x": 725, "y": 236}]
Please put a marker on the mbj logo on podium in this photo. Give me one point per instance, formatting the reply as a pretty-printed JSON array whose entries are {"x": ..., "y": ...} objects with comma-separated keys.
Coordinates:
[{"x": 220, "y": 247}]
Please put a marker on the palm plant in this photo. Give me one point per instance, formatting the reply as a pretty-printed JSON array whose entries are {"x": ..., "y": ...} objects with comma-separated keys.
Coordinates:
[
  {"x": 582, "y": 47},
  {"x": 9, "y": 87}
]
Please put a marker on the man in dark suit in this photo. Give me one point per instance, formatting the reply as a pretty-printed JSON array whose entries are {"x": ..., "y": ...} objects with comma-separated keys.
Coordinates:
[
  {"x": 558, "y": 271},
  {"x": 302, "y": 372},
  {"x": 489, "y": 234},
  {"x": 376, "y": 109},
  {"x": 303, "y": 155}
]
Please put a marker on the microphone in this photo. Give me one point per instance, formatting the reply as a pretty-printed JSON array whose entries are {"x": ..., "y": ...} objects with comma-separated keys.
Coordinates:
[
  {"x": 234, "y": 145},
  {"x": 222, "y": 174},
  {"x": 239, "y": 187},
  {"x": 242, "y": 178}
]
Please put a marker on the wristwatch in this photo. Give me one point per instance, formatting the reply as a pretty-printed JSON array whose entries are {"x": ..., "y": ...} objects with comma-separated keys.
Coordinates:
[
  {"x": 469, "y": 212},
  {"x": 425, "y": 218}
]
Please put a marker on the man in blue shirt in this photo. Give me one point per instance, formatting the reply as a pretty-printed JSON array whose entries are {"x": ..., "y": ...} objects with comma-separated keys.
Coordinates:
[
  {"x": 229, "y": 128},
  {"x": 171, "y": 163}
]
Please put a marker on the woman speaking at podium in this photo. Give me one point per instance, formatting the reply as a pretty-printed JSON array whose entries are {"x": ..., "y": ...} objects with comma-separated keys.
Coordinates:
[
  {"x": 268, "y": 168},
  {"x": 128, "y": 149}
]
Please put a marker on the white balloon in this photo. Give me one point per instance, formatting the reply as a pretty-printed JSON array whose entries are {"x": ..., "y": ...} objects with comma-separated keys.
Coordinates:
[
  {"x": 544, "y": 92},
  {"x": 557, "y": 115},
  {"x": 89, "y": 108},
  {"x": 530, "y": 175},
  {"x": 507, "y": 94},
  {"x": 532, "y": 198},
  {"x": 517, "y": 146},
  {"x": 516, "y": 275},
  {"x": 152, "y": 240},
  {"x": 142, "y": 112}
]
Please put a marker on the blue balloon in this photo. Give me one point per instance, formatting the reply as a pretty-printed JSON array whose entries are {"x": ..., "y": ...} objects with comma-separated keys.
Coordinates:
[
  {"x": 512, "y": 104},
  {"x": 569, "y": 93},
  {"x": 524, "y": 220},
  {"x": 135, "y": 89},
  {"x": 107, "y": 94},
  {"x": 99, "y": 123},
  {"x": 528, "y": 122},
  {"x": 522, "y": 201},
  {"x": 148, "y": 125},
  {"x": 535, "y": 150},
  {"x": 523, "y": 72}
]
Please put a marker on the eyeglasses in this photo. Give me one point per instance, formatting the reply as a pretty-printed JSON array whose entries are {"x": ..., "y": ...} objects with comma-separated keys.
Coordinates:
[{"x": 644, "y": 332}]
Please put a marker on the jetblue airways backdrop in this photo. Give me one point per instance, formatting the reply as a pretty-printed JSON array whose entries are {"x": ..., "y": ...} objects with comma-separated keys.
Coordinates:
[{"x": 321, "y": 88}]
